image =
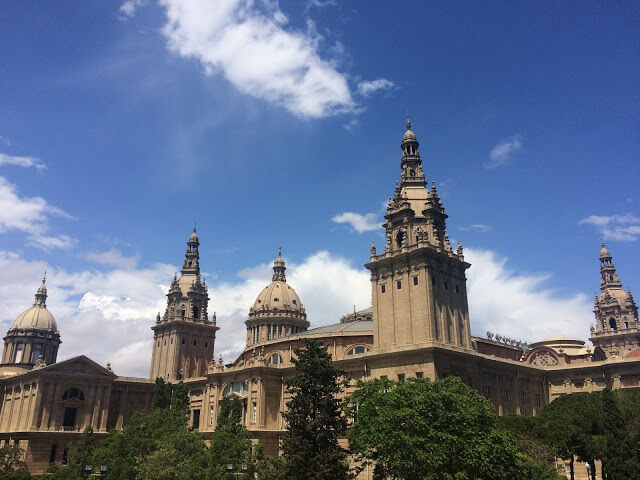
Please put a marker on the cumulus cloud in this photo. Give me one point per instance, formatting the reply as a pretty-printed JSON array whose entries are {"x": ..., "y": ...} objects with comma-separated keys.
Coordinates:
[
  {"x": 113, "y": 258},
  {"x": 366, "y": 88},
  {"x": 615, "y": 227},
  {"x": 252, "y": 45},
  {"x": 21, "y": 161},
  {"x": 358, "y": 222},
  {"x": 477, "y": 227},
  {"x": 30, "y": 215},
  {"x": 520, "y": 305},
  {"x": 503, "y": 151}
]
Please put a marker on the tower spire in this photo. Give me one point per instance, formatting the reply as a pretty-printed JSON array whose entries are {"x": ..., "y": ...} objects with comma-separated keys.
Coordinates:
[
  {"x": 279, "y": 268},
  {"x": 411, "y": 164},
  {"x": 41, "y": 293}
]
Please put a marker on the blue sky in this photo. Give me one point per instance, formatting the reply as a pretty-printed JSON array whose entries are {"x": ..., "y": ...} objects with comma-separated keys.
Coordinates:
[{"x": 122, "y": 122}]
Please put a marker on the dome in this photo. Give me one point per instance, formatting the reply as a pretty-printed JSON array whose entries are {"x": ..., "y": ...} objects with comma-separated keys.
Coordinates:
[
  {"x": 604, "y": 253},
  {"x": 409, "y": 136},
  {"x": 278, "y": 295},
  {"x": 36, "y": 318}
]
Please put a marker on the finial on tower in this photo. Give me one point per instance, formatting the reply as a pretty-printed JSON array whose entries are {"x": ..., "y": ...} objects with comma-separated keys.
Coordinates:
[
  {"x": 279, "y": 252},
  {"x": 408, "y": 122},
  {"x": 44, "y": 277},
  {"x": 195, "y": 226}
]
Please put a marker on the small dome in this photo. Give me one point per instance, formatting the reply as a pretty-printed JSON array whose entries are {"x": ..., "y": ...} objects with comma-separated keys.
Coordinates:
[
  {"x": 36, "y": 318},
  {"x": 604, "y": 253},
  {"x": 409, "y": 136}
]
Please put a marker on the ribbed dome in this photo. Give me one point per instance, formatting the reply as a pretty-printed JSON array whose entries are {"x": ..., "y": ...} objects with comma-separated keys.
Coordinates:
[
  {"x": 36, "y": 317},
  {"x": 409, "y": 136},
  {"x": 278, "y": 295},
  {"x": 604, "y": 253}
]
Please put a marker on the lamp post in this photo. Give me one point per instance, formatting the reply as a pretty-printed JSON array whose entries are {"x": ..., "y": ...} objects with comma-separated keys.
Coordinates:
[
  {"x": 241, "y": 472},
  {"x": 88, "y": 471}
]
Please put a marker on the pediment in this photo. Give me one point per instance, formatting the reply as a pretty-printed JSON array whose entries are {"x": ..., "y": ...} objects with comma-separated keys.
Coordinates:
[{"x": 78, "y": 366}]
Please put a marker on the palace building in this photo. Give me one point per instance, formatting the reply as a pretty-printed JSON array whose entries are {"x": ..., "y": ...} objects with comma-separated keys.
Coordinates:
[{"x": 417, "y": 326}]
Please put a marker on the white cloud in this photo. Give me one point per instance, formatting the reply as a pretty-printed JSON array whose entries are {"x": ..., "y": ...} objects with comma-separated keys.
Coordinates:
[
  {"x": 30, "y": 215},
  {"x": 502, "y": 152},
  {"x": 319, "y": 4},
  {"x": 5, "y": 140},
  {"x": 351, "y": 124},
  {"x": 113, "y": 258},
  {"x": 248, "y": 43},
  {"x": 21, "y": 161},
  {"x": 366, "y": 88},
  {"x": 519, "y": 305},
  {"x": 615, "y": 227},
  {"x": 360, "y": 223},
  {"x": 477, "y": 227},
  {"x": 128, "y": 8}
]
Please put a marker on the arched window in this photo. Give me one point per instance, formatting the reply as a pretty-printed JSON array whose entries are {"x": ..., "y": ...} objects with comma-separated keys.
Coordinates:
[
  {"x": 239, "y": 388},
  {"x": 612, "y": 324},
  {"x": 359, "y": 350},
  {"x": 73, "y": 393},
  {"x": 276, "y": 359},
  {"x": 399, "y": 238}
]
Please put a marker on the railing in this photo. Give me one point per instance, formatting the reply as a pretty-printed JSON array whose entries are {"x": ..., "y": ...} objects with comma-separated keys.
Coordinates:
[{"x": 610, "y": 331}]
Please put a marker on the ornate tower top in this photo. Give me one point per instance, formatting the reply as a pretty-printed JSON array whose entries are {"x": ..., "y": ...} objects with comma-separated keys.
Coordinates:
[
  {"x": 279, "y": 268},
  {"x": 41, "y": 293},
  {"x": 191, "y": 265},
  {"x": 608, "y": 275},
  {"x": 411, "y": 164}
]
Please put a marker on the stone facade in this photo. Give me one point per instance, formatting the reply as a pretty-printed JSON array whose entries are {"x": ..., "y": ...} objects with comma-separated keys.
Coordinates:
[{"x": 418, "y": 326}]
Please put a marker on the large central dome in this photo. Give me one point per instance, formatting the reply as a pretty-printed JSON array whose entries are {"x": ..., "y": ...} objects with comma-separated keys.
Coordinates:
[{"x": 278, "y": 311}]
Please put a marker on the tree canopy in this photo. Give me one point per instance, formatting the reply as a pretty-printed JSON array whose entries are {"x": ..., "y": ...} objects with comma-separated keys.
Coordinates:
[
  {"x": 433, "y": 430},
  {"x": 315, "y": 418}
]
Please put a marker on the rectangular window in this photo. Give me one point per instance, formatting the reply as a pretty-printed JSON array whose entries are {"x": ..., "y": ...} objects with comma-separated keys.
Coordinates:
[
  {"x": 195, "y": 424},
  {"x": 268, "y": 332},
  {"x": 52, "y": 455},
  {"x": 254, "y": 412},
  {"x": 446, "y": 286},
  {"x": 399, "y": 284},
  {"x": 457, "y": 289},
  {"x": 433, "y": 280},
  {"x": 415, "y": 280},
  {"x": 505, "y": 396},
  {"x": 382, "y": 289},
  {"x": 537, "y": 399},
  {"x": 486, "y": 392},
  {"x": 19, "y": 352},
  {"x": 401, "y": 377},
  {"x": 419, "y": 375},
  {"x": 211, "y": 416},
  {"x": 37, "y": 351},
  {"x": 522, "y": 398}
]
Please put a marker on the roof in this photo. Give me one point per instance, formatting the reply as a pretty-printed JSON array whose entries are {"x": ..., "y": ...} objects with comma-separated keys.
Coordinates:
[
  {"x": 359, "y": 326},
  {"x": 36, "y": 317}
]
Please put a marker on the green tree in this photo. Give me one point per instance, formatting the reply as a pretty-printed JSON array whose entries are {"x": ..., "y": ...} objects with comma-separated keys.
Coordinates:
[
  {"x": 267, "y": 467},
  {"x": 11, "y": 458},
  {"x": 62, "y": 472},
  {"x": 152, "y": 438},
  {"x": 424, "y": 430},
  {"x": 315, "y": 418},
  {"x": 17, "y": 475},
  {"x": 572, "y": 425},
  {"x": 620, "y": 458},
  {"x": 81, "y": 453},
  {"x": 230, "y": 443},
  {"x": 629, "y": 404}
]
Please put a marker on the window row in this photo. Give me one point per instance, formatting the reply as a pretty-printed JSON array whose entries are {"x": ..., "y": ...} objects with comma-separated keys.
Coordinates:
[
  {"x": 183, "y": 341},
  {"x": 37, "y": 349},
  {"x": 383, "y": 287}
]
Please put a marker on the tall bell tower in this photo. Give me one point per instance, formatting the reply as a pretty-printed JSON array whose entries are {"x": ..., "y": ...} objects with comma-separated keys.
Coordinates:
[
  {"x": 183, "y": 338},
  {"x": 418, "y": 284},
  {"x": 617, "y": 329}
]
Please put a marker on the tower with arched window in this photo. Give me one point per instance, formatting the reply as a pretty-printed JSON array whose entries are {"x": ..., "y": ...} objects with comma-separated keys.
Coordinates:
[
  {"x": 183, "y": 337},
  {"x": 418, "y": 283},
  {"x": 617, "y": 329}
]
